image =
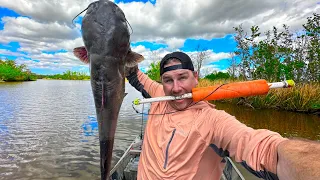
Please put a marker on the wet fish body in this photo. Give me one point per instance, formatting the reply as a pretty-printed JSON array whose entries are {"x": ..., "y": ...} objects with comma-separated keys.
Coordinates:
[{"x": 106, "y": 38}]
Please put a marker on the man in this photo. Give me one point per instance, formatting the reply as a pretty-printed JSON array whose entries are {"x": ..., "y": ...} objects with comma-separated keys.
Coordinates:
[{"x": 187, "y": 140}]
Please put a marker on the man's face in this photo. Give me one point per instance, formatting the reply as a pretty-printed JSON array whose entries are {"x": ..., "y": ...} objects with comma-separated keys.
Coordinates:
[{"x": 178, "y": 82}]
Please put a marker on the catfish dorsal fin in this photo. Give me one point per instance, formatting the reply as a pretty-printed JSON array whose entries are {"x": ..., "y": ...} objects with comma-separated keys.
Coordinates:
[
  {"x": 82, "y": 54},
  {"x": 133, "y": 58}
]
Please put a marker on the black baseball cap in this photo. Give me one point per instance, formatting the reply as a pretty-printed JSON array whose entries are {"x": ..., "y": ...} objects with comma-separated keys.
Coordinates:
[{"x": 186, "y": 62}]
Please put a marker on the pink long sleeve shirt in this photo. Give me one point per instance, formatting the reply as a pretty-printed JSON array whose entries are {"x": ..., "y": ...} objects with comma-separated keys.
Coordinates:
[{"x": 191, "y": 144}]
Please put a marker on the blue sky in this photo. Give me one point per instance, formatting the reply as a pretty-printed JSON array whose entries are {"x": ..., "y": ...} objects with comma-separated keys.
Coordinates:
[{"x": 44, "y": 40}]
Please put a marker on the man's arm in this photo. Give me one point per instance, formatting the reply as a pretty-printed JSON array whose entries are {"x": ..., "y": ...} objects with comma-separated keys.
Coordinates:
[
  {"x": 143, "y": 83},
  {"x": 256, "y": 150},
  {"x": 298, "y": 159}
]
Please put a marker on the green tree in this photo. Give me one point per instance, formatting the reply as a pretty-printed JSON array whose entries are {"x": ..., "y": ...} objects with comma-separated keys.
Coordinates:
[
  {"x": 10, "y": 71},
  {"x": 217, "y": 75},
  {"x": 268, "y": 65},
  {"x": 312, "y": 28},
  {"x": 242, "y": 51},
  {"x": 154, "y": 71},
  {"x": 68, "y": 75}
]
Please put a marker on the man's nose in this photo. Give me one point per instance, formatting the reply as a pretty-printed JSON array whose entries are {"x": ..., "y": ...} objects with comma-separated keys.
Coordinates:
[{"x": 176, "y": 89}]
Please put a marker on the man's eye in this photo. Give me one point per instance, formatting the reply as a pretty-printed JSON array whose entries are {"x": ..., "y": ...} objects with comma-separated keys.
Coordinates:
[
  {"x": 168, "y": 80},
  {"x": 183, "y": 77}
]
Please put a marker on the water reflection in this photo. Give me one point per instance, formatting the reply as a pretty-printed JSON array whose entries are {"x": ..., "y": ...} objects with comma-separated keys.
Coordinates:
[
  {"x": 48, "y": 130},
  {"x": 90, "y": 127},
  {"x": 3, "y": 129}
]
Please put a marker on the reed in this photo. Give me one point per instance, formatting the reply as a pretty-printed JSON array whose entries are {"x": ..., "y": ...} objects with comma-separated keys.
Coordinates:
[{"x": 304, "y": 97}]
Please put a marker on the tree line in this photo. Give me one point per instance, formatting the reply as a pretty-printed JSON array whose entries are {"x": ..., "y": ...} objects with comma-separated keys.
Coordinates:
[
  {"x": 10, "y": 71},
  {"x": 67, "y": 75},
  {"x": 280, "y": 55}
]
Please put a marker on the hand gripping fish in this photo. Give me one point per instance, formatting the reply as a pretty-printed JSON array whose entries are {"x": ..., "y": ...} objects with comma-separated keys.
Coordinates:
[{"x": 107, "y": 50}]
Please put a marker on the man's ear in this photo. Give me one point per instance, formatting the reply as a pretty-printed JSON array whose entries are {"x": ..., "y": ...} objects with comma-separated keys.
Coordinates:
[{"x": 195, "y": 74}]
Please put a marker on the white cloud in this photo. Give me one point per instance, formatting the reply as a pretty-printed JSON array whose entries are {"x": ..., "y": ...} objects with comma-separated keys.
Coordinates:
[
  {"x": 175, "y": 43},
  {"x": 47, "y": 25},
  {"x": 47, "y": 10},
  {"x": 208, "y": 69},
  {"x": 27, "y": 30},
  {"x": 213, "y": 57},
  {"x": 208, "y": 19},
  {"x": 210, "y": 56},
  {"x": 139, "y": 49},
  {"x": 9, "y": 53}
]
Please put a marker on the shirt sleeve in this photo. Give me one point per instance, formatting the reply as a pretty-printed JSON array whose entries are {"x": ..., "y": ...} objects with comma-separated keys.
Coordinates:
[
  {"x": 256, "y": 150},
  {"x": 145, "y": 85}
]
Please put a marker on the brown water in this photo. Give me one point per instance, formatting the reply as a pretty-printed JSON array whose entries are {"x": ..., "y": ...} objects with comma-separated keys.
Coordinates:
[
  {"x": 48, "y": 129},
  {"x": 288, "y": 124}
]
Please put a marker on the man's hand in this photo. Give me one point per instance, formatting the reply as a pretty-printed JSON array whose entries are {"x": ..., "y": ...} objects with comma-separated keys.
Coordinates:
[
  {"x": 130, "y": 70},
  {"x": 298, "y": 160}
]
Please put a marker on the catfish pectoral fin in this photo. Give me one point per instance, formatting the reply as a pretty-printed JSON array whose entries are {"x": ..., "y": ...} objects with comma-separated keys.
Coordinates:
[
  {"x": 133, "y": 58},
  {"x": 82, "y": 54}
]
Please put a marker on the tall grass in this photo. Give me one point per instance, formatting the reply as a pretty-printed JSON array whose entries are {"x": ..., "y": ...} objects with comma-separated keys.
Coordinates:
[{"x": 304, "y": 97}]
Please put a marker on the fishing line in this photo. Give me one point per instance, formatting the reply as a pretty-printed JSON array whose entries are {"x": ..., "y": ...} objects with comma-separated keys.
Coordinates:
[
  {"x": 88, "y": 8},
  {"x": 79, "y": 14},
  {"x": 141, "y": 135},
  {"x": 190, "y": 105},
  {"x": 130, "y": 27}
]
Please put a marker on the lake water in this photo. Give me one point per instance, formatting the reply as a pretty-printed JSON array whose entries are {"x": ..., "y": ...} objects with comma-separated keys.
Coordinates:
[{"x": 48, "y": 128}]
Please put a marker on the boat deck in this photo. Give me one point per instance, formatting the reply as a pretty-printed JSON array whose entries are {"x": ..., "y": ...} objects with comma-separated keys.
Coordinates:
[{"x": 130, "y": 172}]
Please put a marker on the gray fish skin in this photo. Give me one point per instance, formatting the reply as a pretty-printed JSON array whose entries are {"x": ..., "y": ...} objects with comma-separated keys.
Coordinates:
[{"x": 107, "y": 50}]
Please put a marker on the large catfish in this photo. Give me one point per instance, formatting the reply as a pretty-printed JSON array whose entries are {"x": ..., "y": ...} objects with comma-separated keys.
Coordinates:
[{"x": 107, "y": 49}]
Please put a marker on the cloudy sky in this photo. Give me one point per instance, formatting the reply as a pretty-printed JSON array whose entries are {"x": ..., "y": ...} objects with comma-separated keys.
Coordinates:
[{"x": 40, "y": 33}]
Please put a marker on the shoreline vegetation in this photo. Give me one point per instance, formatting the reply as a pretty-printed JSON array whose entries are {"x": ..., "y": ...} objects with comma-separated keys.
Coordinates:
[
  {"x": 67, "y": 75},
  {"x": 303, "y": 97},
  {"x": 11, "y": 72}
]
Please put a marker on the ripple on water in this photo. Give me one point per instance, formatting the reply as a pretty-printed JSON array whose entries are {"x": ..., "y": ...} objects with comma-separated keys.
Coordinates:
[{"x": 48, "y": 130}]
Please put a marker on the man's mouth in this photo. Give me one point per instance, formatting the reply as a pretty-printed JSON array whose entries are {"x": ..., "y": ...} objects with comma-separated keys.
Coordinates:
[{"x": 179, "y": 100}]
